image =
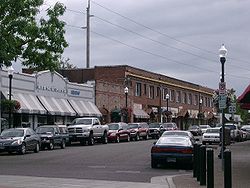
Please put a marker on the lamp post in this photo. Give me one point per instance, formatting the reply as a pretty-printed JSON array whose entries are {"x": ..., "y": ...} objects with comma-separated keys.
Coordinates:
[
  {"x": 222, "y": 54},
  {"x": 200, "y": 106},
  {"x": 167, "y": 99},
  {"x": 10, "y": 73},
  {"x": 126, "y": 102}
]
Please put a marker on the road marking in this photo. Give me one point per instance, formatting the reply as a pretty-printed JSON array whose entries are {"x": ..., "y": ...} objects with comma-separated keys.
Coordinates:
[
  {"x": 128, "y": 171},
  {"x": 97, "y": 166}
]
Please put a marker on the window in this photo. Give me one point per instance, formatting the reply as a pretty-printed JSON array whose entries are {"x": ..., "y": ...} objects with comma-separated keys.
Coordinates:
[
  {"x": 158, "y": 91},
  {"x": 196, "y": 100},
  {"x": 184, "y": 98},
  {"x": 164, "y": 93},
  {"x": 151, "y": 92},
  {"x": 138, "y": 89},
  {"x": 190, "y": 98},
  {"x": 178, "y": 96},
  {"x": 172, "y": 95},
  {"x": 145, "y": 89}
]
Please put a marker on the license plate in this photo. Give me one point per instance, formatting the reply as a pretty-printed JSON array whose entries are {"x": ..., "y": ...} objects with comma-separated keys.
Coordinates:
[{"x": 171, "y": 160}]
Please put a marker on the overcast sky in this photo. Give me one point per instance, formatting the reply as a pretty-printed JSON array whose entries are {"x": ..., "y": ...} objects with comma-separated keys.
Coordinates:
[{"x": 177, "y": 38}]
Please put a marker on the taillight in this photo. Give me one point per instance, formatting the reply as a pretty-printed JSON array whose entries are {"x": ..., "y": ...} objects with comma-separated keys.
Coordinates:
[{"x": 187, "y": 150}]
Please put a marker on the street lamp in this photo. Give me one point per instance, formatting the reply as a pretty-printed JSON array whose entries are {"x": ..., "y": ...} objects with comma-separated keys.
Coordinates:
[
  {"x": 10, "y": 73},
  {"x": 167, "y": 99},
  {"x": 200, "y": 106},
  {"x": 126, "y": 102},
  {"x": 222, "y": 54}
]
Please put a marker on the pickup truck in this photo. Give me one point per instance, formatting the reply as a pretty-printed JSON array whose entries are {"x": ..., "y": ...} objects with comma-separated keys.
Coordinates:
[{"x": 87, "y": 130}]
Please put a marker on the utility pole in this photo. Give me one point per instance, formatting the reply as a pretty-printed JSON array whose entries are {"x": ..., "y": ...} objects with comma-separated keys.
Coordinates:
[{"x": 87, "y": 35}]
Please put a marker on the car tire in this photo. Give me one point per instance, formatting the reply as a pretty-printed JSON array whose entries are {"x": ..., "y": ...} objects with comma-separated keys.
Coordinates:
[
  {"x": 137, "y": 137},
  {"x": 91, "y": 140},
  {"x": 105, "y": 138},
  {"x": 128, "y": 140},
  {"x": 23, "y": 149},
  {"x": 153, "y": 163},
  {"x": 51, "y": 145},
  {"x": 117, "y": 139},
  {"x": 63, "y": 144},
  {"x": 37, "y": 148}
]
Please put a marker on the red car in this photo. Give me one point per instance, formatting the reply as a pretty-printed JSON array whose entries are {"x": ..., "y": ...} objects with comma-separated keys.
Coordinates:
[
  {"x": 118, "y": 132},
  {"x": 139, "y": 130}
]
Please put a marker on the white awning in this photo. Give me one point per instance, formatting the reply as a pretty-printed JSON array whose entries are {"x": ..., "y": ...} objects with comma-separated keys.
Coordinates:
[
  {"x": 57, "y": 106},
  {"x": 29, "y": 103},
  {"x": 85, "y": 108},
  {"x": 139, "y": 113}
]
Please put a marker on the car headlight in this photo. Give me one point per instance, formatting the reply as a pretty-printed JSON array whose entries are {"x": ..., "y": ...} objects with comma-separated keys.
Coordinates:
[
  {"x": 86, "y": 130},
  {"x": 17, "y": 142}
]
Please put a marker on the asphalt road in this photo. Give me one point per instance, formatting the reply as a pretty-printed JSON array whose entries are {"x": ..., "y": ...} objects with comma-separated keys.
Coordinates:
[{"x": 114, "y": 161}]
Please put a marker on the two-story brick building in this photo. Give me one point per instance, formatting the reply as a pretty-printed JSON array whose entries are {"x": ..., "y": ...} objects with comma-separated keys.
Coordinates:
[{"x": 187, "y": 104}]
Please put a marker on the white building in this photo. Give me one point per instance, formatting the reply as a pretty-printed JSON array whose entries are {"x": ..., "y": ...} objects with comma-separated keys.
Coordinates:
[{"x": 47, "y": 98}]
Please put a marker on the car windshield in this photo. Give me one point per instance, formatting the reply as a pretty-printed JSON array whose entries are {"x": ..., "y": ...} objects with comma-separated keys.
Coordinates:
[
  {"x": 113, "y": 126},
  {"x": 175, "y": 133},
  {"x": 133, "y": 126},
  {"x": 176, "y": 141},
  {"x": 232, "y": 127},
  {"x": 193, "y": 127},
  {"x": 12, "y": 133},
  {"x": 167, "y": 125},
  {"x": 82, "y": 121},
  {"x": 44, "y": 130},
  {"x": 212, "y": 130},
  {"x": 154, "y": 125}
]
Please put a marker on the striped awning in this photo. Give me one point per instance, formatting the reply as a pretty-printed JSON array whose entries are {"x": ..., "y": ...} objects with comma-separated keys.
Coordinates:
[
  {"x": 29, "y": 103},
  {"x": 139, "y": 113},
  {"x": 85, "y": 108},
  {"x": 57, "y": 106}
]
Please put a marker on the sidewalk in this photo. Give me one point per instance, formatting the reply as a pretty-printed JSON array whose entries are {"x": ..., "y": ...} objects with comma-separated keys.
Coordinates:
[{"x": 240, "y": 169}]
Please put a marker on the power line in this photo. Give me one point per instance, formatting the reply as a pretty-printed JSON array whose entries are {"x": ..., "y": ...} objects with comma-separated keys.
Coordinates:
[{"x": 163, "y": 34}]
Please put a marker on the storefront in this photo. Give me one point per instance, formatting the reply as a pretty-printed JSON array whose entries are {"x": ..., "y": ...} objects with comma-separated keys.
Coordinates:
[{"x": 47, "y": 98}]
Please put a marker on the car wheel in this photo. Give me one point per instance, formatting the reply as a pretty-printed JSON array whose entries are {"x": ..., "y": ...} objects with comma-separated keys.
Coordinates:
[
  {"x": 23, "y": 149},
  {"x": 128, "y": 140},
  {"x": 153, "y": 163},
  {"x": 37, "y": 148},
  {"x": 137, "y": 138},
  {"x": 51, "y": 145},
  {"x": 63, "y": 144},
  {"x": 105, "y": 138},
  {"x": 117, "y": 139},
  {"x": 91, "y": 140}
]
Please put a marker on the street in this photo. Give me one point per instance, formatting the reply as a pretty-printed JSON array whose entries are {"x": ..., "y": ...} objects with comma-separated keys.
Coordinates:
[{"x": 117, "y": 162}]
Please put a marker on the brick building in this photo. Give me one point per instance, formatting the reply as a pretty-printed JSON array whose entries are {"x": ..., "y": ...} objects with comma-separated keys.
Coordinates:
[{"x": 187, "y": 104}]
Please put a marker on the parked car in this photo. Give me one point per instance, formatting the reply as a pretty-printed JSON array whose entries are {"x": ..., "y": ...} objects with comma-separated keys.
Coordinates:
[
  {"x": 154, "y": 130},
  {"x": 174, "y": 149},
  {"x": 246, "y": 129},
  {"x": 177, "y": 133},
  {"x": 50, "y": 137},
  {"x": 19, "y": 140},
  {"x": 236, "y": 134},
  {"x": 212, "y": 135},
  {"x": 64, "y": 132},
  {"x": 88, "y": 130},
  {"x": 195, "y": 130},
  {"x": 118, "y": 132},
  {"x": 204, "y": 128},
  {"x": 168, "y": 127},
  {"x": 138, "y": 130}
]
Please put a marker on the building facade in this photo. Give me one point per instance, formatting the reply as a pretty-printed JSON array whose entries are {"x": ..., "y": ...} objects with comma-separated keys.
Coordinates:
[
  {"x": 46, "y": 98},
  {"x": 147, "y": 98}
]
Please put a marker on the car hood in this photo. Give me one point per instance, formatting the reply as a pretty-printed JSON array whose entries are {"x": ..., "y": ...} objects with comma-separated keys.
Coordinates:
[
  {"x": 113, "y": 131},
  {"x": 80, "y": 126},
  {"x": 45, "y": 135},
  {"x": 9, "y": 139}
]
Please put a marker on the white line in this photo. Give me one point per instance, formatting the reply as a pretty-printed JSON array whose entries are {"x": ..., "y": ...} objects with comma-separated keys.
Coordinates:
[{"x": 130, "y": 172}]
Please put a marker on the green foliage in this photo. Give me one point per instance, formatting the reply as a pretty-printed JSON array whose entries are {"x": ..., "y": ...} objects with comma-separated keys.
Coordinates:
[
  {"x": 38, "y": 43},
  {"x": 10, "y": 105}
]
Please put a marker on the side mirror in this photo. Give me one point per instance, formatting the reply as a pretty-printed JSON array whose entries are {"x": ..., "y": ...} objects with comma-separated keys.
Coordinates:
[{"x": 27, "y": 136}]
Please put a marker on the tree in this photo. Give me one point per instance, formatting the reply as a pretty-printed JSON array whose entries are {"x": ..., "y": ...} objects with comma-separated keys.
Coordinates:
[{"x": 39, "y": 44}]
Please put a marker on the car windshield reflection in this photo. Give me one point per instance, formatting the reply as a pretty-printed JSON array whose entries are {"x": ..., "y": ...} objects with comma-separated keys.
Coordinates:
[
  {"x": 12, "y": 133},
  {"x": 113, "y": 126}
]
